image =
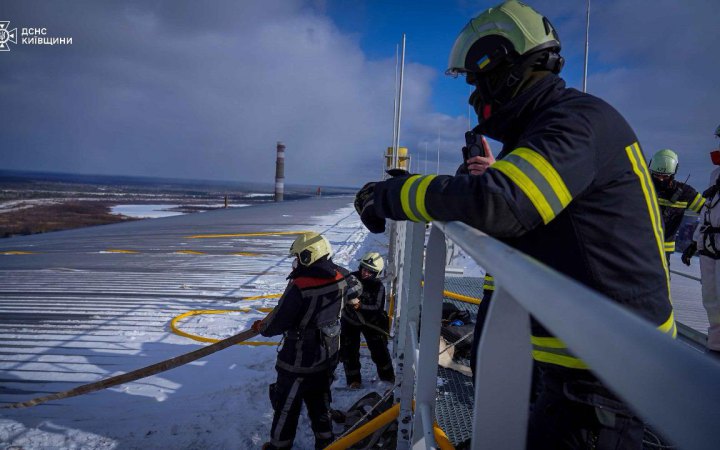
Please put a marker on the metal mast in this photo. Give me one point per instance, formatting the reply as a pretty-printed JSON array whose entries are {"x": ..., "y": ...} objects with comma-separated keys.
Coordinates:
[{"x": 587, "y": 45}]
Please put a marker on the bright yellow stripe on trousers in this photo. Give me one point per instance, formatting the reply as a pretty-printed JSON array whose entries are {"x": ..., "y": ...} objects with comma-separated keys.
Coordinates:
[
  {"x": 420, "y": 197},
  {"x": 528, "y": 187},
  {"x": 405, "y": 198}
]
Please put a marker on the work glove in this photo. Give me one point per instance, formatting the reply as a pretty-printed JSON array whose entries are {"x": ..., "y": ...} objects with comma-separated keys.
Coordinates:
[
  {"x": 257, "y": 326},
  {"x": 365, "y": 207},
  {"x": 688, "y": 253}
]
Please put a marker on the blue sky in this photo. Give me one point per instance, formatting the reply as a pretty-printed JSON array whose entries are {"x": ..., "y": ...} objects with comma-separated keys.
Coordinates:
[{"x": 200, "y": 90}]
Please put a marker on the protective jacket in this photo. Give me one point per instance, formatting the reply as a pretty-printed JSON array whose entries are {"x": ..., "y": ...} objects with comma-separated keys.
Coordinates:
[
  {"x": 371, "y": 321},
  {"x": 308, "y": 316},
  {"x": 570, "y": 188},
  {"x": 673, "y": 201},
  {"x": 372, "y": 304},
  {"x": 707, "y": 236}
]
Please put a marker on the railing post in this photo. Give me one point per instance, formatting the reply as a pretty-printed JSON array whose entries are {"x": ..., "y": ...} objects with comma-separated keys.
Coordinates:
[
  {"x": 503, "y": 376},
  {"x": 408, "y": 314},
  {"x": 426, "y": 390}
]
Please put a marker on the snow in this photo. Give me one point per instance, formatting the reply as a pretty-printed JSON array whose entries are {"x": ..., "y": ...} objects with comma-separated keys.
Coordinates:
[
  {"x": 146, "y": 211},
  {"x": 220, "y": 401}
]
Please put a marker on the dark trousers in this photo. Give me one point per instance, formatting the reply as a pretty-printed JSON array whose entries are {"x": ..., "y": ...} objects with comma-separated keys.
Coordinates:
[
  {"x": 287, "y": 395},
  {"x": 581, "y": 414},
  {"x": 350, "y": 352}
]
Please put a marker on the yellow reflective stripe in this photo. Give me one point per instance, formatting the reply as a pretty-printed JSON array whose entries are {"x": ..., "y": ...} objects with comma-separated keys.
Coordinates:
[
  {"x": 420, "y": 197},
  {"x": 554, "y": 351},
  {"x": 538, "y": 179},
  {"x": 559, "y": 360},
  {"x": 528, "y": 187},
  {"x": 548, "y": 171},
  {"x": 670, "y": 246},
  {"x": 640, "y": 168},
  {"x": 489, "y": 283},
  {"x": 550, "y": 342},
  {"x": 405, "y": 198},
  {"x": 669, "y": 326},
  {"x": 669, "y": 204},
  {"x": 698, "y": 203}
]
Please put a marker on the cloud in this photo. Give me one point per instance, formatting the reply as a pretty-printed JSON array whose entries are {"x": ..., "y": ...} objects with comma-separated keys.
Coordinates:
[{"x": 182, "y": 90}]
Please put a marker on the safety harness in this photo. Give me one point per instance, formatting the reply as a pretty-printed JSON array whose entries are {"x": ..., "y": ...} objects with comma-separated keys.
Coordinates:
[{"x": 708, "y": 232}]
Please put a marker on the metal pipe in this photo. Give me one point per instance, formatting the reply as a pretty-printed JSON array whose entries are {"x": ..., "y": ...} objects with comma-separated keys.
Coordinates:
[
  {"x": 396, "y": 146},
  {"x": 395, "y": 109},
  {"x": 280, "y": 172}
]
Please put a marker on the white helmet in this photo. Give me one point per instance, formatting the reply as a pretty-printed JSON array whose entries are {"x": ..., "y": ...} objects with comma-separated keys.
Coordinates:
[
  {"x": 310, "y": 247},
  {"x": 373, "y": 262}
]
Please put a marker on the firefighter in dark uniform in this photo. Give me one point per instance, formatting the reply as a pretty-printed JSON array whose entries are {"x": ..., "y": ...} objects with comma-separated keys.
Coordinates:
[
  {"x": 366, "y": 315},
  {"x": 308, "y": 317},
  {"x": 570, "y": 188},
  {"x": 674, "y": 197}
]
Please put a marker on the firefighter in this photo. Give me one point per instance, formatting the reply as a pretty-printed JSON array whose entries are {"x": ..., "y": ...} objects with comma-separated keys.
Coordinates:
[
  {"x": 366, "y": 315},
  {"x": 308, "y": 317},
  {"x": 674, "y": 197},
  {"x": 706, "y": 241},
  {"x": 570, "y": 188}
]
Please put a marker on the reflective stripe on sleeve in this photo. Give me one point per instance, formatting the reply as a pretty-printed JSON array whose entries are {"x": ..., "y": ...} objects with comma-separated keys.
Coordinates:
[
  {"x": 538, "y": 179},
  {"x": 669, "y": 204},
  {"x": 412, "y": 198},
  {"x": 697, "y": 203},
  {"x": 669, "y": 246}
]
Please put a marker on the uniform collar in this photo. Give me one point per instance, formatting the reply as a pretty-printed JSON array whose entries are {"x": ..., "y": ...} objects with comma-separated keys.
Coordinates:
[{"x": 509, "y": 121}]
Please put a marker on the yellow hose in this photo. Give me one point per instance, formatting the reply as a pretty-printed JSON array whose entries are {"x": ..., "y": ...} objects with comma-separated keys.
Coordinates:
[
  {"x": 380, "y": 421},
  {"x": 176, "y": 330}
]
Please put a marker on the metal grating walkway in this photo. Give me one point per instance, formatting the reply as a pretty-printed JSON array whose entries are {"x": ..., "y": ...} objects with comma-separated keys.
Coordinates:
[{"x": 455, "y": 394}]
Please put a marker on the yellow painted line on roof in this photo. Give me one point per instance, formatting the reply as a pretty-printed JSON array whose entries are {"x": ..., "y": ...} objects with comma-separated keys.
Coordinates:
[
  {"x": 259, "y": 297},
  {"x": 246, "y": 254},
  {"x": 199, "y": 312},
  {"x": 117, "y": 250},
  {"x": 269, "y": 233},
  {"x": 190, "y": 252},
  {"x": 17, "y": 252}
]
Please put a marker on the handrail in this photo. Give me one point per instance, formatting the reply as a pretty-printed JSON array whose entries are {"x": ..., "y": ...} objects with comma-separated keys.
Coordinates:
[
  {"x": 686, "y": 275},
  {"x": 672, "y": 387}
]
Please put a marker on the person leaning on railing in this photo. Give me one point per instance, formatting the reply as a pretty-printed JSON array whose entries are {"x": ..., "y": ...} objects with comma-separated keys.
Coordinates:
[{"x": 570, "y": 188}]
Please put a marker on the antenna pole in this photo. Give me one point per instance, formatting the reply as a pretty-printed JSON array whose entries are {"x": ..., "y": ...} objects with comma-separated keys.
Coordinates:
[{"x": 587, "y": 45}]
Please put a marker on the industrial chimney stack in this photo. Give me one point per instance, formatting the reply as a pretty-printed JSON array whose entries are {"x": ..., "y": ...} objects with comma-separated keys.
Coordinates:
[{"x": 280, "y": 172}]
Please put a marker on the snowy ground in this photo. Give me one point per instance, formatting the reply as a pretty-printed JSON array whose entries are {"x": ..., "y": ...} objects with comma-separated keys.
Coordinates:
[{"x": 220, "y": 401}]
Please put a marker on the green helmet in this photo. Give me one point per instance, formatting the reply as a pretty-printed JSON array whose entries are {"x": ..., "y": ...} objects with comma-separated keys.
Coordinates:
[
  {"x": 310, "y": 247},
  {"x": 664, "y": 162},
  {"x": 373, "y": 262},
  {"x": 505, "y": 32}
]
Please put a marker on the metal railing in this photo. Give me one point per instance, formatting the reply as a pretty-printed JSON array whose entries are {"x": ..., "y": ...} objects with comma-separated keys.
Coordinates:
[{"x": 675, "y": 389}]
